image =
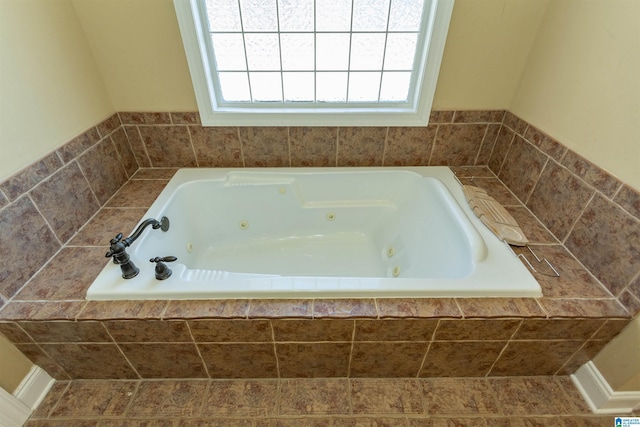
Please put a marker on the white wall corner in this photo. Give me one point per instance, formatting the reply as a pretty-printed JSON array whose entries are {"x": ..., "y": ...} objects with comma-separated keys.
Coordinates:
[
  {"x": 16, "y": 408},
  {"x": 599, "y": 395}
]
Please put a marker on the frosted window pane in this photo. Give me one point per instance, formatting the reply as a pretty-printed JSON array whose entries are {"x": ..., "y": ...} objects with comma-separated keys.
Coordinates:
[
  {"x": 229, "y": 49},
  {"x": 297, "y": 51},
  {"x": 332, "y": 51},
  {"x": 259, "y": 15},
  {"x": 364, "y": 87},
  {"x": 235, "y": 87},
  {"x": 298, "y": 86},
  {"x": 370, "y": 15},
  {"x": 296, "y": 15},
  {"x": 331, "y": 87},
  {"x": 405, "y": 15},
  {"x": 367, "y": 51},
  {"x": 401, "y": 51},
  {"x": 395, "y": 87},
  {"x": 266, "y": 87},
  {"x": 263, "y": 52},
  {"x": 333, "y": 15},
  {"x": 223, "y": 15}
]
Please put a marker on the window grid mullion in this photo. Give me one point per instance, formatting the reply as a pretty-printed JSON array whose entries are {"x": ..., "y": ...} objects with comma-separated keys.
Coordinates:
[
  {"x": 280, "y": 50},
  {"x": 350, "y": 45},
  {"x": 244, "y": 45},
  {"x": 384, "y": 50}
]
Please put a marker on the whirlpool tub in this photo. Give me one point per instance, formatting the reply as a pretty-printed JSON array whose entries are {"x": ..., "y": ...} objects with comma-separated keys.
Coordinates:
[{"x": 317, "y": 233}]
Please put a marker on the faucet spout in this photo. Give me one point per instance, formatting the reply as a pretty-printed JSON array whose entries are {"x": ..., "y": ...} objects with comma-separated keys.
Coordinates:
[
  {"x": 118, "y": 248},
  {"x": 154, "y": 223}
]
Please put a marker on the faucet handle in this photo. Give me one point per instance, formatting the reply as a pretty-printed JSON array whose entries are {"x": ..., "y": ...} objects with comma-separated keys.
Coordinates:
[
  {"x": 164, "y": 259},
  {"x": 116, "y": 239},
  {"x": 117, "y": 247},
  {"x": 162, "y": 271}
]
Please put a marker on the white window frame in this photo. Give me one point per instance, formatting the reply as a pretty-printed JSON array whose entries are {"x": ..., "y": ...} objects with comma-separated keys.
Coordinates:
[{"x": 197, "y": 48}]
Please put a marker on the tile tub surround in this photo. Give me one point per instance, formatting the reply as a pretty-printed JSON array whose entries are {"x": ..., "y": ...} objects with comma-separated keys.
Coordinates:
[
  {"x": 437, "y": 402},
  {"x": 49, "y": 320}
]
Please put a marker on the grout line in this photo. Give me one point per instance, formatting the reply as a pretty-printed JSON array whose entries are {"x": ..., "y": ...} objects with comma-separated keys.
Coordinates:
[
  {"x": 353, "y": 339},
  {"x": 275, "y": 348},
  {"x": 384, "y": 146},
  {"x": 482, "y": 142},
  {"x": 193, "y": 149},
  {"x": 337, "y": 145},
  {"x": 433, "y": 144},
  {"x": 120, "y": 350},
  {"x": 204, "y": 364}
]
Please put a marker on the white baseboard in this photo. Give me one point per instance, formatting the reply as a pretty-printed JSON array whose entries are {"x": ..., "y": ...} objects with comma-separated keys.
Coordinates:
[
  {"x": 599, "y": 395},
  {"x": 34, "y": 387},
  {"x": 16, "y": 408}
]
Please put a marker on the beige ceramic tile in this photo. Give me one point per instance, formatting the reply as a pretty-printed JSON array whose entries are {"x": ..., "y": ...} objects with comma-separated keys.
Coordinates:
[
  {"x": 279, "y": 308},
  {"x": 65, "y": 278},
  {"x": 522, "y": 168},
  {"x": 66, "y": 201},
  {"x": 137, "y": 194},
  {"x": 361, "y": 146},
  {"x": 409, "y": 146},
  {"x": 457, "y": 144},
  {"x": 530, "y": 396},
  {"x": 313, "y": 360},
  {"x": 106, "y": 224},
  {"x": 165, "y": 360},
  {"x": 168, "y": 146},
  {"x": 558, "y": 199},
  {"x": 240, "y": 360},
  {"x": 387, "y": 359},
  {"x": 314, "y": 397},
  {"x": 90, "y": 361},
  {"x": 534, "y": 357},
  {"x": 476, "y": 329},
  {"x": 203, "y": 309},
  {"x": 395, "y": 330},
  {"x": 344, "y": 308},
  {"x": 35, "y": 310},
  {"x": 139, "y": 310},
  {"x": 168, "y": 398},
  {"x": 248, "y": 398},
  {"x": 389, "y": 396},
  {"x": 136, "y": 331},
  {"x": 24, "y": 231},
  {"x": 231, "y": 330},
  {"x": 313, "y": 146},
  {"x": 456, "y": 396},
  {"x": 95, "y": 398},
  {"x": 217, "y": 146},
  {"x": 460, "y": 358},
  {"x": 103, "y": 169},
  {"x": 605, "y": 240},
  {"x": 312, "y": 330},
  {"x": 417, "y": 308},
  {"x": 500, "y": 307},
  {"x": 64, "y": 331}
]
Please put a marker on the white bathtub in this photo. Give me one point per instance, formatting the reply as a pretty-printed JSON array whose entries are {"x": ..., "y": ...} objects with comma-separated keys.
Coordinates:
[{"x": 318, "y": 233}]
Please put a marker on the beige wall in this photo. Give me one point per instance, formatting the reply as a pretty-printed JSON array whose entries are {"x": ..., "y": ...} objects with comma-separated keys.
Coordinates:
[
  {"x": 487, "y": 47},
  {"x": 14, "y": 366},
  {"x": 581, "y": 83},
  {"x": 49, "y": 84},
  {"x": 616, "y": 362},
  {"x": 567, "y": 66},
  {"x": 138, "y": 48}
]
